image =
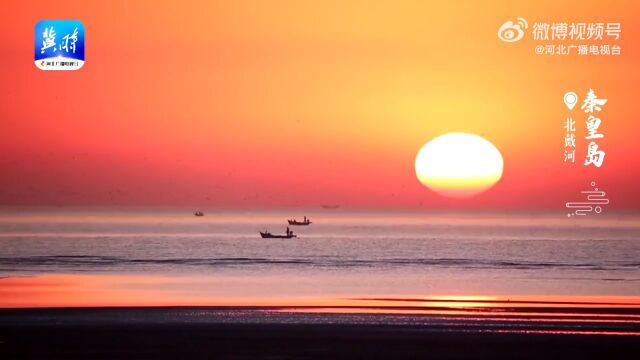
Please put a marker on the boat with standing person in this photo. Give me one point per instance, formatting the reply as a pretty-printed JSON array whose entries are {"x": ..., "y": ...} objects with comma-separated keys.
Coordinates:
[
  {"x": 267, "y": 235},
  {"x": 296, "y": 222}
]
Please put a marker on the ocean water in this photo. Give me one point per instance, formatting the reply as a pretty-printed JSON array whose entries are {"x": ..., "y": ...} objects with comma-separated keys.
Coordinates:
[{"x": 342, "y": 253}]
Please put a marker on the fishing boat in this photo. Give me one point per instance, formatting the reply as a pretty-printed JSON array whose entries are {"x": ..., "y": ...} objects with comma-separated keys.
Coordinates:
[
  {"x": 296, "y": 222},
  {"x": 331, "y": 207},
  {"x": 198, "y": 213},
  {"x": 267, "y": 235}
]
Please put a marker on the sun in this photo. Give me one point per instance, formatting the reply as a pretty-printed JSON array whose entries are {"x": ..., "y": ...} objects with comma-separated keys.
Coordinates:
[{"x": 459, "y": 165}]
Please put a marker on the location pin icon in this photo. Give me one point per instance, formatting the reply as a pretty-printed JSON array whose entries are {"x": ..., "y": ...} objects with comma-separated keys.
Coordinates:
[{"x": 570, "y": 99}]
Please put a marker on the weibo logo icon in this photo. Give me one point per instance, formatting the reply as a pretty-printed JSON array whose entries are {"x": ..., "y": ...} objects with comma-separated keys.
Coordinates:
[{"x": 512, "y": 32}]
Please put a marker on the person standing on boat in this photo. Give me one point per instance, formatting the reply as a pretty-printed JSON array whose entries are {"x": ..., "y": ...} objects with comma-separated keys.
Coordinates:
[{"x": 288, "y": 231}]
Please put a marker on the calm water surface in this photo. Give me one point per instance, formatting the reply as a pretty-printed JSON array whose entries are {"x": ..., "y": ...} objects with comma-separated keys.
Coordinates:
[{"x": 343, "y": 253}]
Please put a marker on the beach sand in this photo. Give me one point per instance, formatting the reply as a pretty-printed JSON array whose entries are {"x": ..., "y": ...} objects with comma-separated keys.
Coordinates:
[{"x": 286, "y": 333}]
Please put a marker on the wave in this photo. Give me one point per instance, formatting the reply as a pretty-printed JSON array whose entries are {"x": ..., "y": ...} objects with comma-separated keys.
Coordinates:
[{"x": 93, "y": 262}]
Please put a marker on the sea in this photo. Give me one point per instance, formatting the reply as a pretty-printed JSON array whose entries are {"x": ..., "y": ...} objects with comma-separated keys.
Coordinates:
[{"x": 169, "y": 256}]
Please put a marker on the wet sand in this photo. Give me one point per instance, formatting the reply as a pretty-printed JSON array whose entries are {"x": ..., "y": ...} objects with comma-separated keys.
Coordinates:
[{"x": 286, "y": 333}]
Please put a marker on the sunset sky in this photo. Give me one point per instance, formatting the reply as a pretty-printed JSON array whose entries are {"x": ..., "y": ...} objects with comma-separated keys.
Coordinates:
[{"x": 299, "y": 103}]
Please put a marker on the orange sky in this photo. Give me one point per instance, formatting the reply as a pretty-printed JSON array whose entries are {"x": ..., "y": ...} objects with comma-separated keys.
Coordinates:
[{"x": 259, "y": 104}]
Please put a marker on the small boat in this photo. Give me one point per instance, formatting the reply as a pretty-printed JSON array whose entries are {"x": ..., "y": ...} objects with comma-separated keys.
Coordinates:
[
  {"x": 330, "y": 206},
  {"x": 296, "y": 222},
  {"x": 198, "y": 213},
  {"x": 268, "y": 235}
]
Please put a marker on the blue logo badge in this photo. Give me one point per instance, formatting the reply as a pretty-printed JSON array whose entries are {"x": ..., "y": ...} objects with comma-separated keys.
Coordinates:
[{"x": 59, "y": 45}]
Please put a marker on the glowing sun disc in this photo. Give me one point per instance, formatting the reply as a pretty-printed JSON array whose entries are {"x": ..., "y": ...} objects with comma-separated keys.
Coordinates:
[{"x": 459, "y": 164}]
